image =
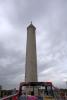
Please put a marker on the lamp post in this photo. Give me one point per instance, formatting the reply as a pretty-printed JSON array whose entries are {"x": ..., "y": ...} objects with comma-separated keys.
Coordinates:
[{"x": 66, "y": 84}]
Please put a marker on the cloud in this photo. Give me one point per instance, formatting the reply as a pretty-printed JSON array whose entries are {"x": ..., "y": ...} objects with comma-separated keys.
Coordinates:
[{"x": 10, "y": 65}]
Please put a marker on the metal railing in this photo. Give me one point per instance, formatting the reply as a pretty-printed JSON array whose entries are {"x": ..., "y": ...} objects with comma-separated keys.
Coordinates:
[{"x": 11, "y": 97}]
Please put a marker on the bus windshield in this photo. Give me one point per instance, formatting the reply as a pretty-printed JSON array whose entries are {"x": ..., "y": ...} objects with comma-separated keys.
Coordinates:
[{"x": 42, "y": 88}]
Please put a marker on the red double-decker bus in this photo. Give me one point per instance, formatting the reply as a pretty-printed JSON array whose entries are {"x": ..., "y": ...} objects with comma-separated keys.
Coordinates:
[{"x": 45, "y": 88}]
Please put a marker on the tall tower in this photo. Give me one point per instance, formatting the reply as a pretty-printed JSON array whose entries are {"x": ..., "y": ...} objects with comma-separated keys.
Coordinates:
[{"x": 31, "y": 57}]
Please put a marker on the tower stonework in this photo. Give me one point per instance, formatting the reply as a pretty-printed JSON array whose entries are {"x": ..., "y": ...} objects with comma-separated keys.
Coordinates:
[{"x": 31, "y": 56}]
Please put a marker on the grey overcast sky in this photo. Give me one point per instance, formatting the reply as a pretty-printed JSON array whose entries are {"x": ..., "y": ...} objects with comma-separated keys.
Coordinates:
[{"x": 50, "y": 20}]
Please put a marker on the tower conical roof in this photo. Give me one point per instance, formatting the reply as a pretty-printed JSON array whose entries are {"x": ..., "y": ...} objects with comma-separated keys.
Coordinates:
[{"x": 31, "y": 26}]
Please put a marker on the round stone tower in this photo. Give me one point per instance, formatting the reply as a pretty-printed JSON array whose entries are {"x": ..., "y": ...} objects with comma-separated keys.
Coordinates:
[{"x": 31, "y": 56}]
